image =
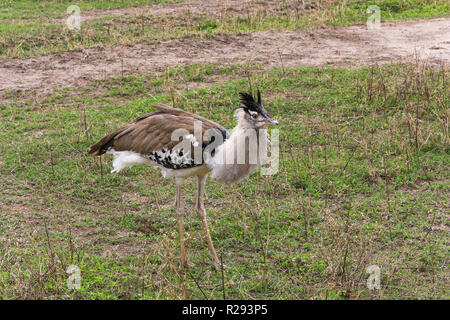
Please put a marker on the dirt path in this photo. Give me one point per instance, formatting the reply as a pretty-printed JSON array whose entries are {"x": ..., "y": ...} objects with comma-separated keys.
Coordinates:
[
  {"x": 210, "y": 7},
  {"x": 355, "y": 46}
]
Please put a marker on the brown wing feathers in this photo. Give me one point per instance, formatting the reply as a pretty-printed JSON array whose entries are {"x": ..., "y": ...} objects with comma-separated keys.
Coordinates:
[
  {"x": 152, "y": 131},
  {"x": 106, "y": 142}
]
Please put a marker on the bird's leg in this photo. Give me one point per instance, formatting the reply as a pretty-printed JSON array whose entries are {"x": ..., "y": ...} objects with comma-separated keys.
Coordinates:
[
  {"x": 202, "y": 215},
  {"x": 179, "y": 212}
]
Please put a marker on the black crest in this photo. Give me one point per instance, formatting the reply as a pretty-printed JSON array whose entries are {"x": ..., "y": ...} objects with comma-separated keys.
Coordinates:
[{"x": 249, "y": 103}]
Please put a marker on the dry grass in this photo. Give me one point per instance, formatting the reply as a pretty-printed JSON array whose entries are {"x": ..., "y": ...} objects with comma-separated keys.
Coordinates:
[{"x": 363, "y": 180}]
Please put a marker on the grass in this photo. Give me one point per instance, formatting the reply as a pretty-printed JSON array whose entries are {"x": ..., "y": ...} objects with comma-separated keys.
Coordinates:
[
  {"x": 35, "y": 9},
  {"x": 363, "y": 179},
  {"x": 31, "y": 34}
]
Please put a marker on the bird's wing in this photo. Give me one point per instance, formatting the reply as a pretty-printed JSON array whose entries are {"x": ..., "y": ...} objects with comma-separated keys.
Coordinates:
[
  {"x": 153, "y": 132},
  {"x": 164, "y": 108}
]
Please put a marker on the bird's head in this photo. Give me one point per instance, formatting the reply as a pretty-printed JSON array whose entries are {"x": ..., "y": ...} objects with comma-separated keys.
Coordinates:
[{"x": 252, "y": 114}]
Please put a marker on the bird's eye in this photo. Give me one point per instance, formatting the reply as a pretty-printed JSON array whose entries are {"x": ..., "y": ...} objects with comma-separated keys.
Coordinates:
[{"x": 254, "y": 115}]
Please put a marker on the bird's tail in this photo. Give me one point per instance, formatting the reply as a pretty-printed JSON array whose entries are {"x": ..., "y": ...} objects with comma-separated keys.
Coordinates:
[{"x": 106, "y": 142}]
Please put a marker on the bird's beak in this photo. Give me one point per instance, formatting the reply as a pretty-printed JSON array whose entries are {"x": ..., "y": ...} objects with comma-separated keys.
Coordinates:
[{"x": 271, "y": 121}]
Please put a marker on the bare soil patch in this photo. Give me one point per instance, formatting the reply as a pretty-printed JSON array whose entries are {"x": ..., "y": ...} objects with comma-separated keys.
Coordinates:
[
  {"x": 214, "y": 8},
  {"x": 353, "y": 46}
]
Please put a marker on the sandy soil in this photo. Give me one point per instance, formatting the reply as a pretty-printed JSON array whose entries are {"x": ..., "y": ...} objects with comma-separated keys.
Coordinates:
[
  {"x": 210, "y": 7},
  {"x": 350, "y": 46}
]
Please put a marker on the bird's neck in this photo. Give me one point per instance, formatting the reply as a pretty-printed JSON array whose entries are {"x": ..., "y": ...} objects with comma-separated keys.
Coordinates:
[{"x": 240, "y": 155}]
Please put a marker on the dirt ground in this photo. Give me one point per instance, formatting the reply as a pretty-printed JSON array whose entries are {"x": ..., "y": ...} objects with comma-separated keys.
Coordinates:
[
  {"x": 211, "y": 7},
  {"x": 342, "y": 46}
]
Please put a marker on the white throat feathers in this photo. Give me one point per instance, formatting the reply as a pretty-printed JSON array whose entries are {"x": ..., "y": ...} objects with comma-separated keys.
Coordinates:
[{"x": 241, "y": 154}]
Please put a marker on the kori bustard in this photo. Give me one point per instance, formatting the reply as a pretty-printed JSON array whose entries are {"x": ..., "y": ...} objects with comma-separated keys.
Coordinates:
[{"x": 154, "y": 139}]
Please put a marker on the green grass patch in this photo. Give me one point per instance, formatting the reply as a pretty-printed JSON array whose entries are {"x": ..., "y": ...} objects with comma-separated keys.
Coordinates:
[
  {"x": 363, "y": 179},
  {"x": 32, "y": 9},
  {"x": 27, "y": 37}
]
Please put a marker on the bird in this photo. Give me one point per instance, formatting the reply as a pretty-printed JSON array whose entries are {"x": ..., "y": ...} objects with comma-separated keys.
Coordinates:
[{"x": 207, "y": 148}]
